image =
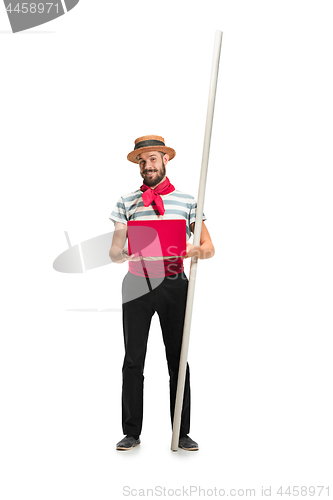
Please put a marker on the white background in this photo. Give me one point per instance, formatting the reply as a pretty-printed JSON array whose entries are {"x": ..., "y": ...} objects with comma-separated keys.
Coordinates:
[{"x": 75, "y": 93}]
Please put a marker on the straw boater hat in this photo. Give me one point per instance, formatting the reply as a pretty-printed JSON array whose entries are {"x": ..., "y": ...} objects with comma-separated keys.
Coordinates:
[{"x": 149, "y": 143}]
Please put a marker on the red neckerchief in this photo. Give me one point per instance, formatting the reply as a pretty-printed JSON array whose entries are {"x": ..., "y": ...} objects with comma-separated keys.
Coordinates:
[{"x": 149, "y": 195}]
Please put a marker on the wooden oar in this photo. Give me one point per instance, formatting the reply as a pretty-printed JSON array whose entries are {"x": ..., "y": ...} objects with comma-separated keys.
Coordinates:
[{"x": 196, "y": 242}]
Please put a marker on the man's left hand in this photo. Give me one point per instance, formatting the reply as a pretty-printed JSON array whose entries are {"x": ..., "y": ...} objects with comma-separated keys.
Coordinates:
[{"x": 192, "y": 251}]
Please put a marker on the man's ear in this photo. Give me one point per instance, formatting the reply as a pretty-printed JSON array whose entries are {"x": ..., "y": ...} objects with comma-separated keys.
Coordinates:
[{"x": 166, "y": 158}]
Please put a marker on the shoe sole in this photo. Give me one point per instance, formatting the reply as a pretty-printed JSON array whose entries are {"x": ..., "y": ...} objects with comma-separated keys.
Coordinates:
[
  {"x": 126, "y": 449},
  {"x": 188, "y": 449}
]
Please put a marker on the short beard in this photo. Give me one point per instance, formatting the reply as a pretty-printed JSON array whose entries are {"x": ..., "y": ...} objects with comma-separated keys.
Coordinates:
[{"x": 160, "y": 176}]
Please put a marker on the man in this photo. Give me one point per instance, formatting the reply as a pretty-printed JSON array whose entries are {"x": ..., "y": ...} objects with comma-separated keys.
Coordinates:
[{"x": 156, "y": 199}]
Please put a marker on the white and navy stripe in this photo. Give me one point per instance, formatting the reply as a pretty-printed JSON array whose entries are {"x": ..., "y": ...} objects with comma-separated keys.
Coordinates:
[{"x": 178, "y": 205}]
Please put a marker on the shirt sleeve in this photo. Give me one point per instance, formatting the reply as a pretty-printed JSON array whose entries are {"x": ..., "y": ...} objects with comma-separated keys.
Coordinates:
[
  {"x": 118, "y": 213},
  {"x": 193, "y": 212}
]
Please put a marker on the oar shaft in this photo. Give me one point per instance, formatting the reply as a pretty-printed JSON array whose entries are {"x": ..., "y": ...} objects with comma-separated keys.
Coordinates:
[
  {"x": 207, "y": 138},
  {"x": 196, "y": 242}
]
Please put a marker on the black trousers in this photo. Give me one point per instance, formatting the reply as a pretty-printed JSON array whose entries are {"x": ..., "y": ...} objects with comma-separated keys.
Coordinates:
[{"x": 168, "y": 299}]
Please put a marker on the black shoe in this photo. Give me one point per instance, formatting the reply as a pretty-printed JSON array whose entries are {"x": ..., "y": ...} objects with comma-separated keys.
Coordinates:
[
  {"x": 186, "y": 443},
  {"x": 127, "y": 443}
]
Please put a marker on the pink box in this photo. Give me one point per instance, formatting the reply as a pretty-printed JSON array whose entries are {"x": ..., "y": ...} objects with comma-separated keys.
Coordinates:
[{"x": 157, "y": 238}]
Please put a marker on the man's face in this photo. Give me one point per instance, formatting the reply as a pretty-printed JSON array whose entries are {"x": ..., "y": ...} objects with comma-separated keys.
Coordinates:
[{"x": 152, "y": 167}]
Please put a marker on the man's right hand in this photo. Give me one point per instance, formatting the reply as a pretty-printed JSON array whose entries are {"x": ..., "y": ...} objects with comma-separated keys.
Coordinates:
[
  {"x": 130, "y": 257},
  {"x": 117, "y": 252}
]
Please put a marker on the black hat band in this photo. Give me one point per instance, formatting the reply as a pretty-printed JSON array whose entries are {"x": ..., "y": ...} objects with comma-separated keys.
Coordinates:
[{"x": 152, "y": 142}]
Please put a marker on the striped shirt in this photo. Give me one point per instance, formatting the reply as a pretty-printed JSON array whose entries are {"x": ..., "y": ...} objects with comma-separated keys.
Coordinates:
[{"x": 178, "y": 205}]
